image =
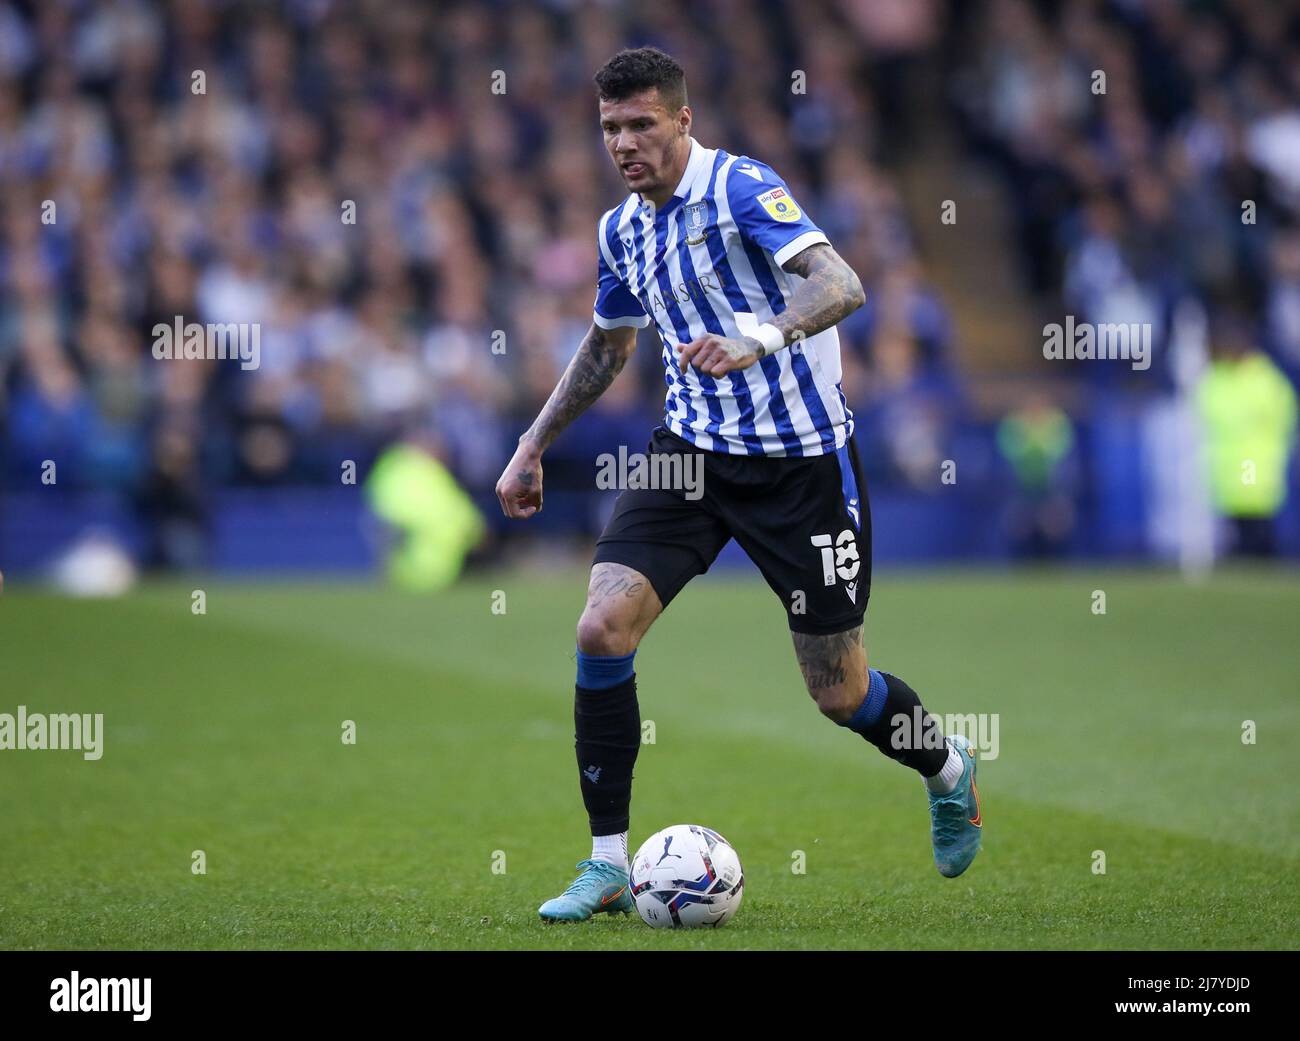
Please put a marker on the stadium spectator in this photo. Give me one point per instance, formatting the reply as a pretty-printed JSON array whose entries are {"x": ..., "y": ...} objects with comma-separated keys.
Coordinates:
[
  {"x": 1037, "y": 441},
  {"x": 1249, "y": 412}
]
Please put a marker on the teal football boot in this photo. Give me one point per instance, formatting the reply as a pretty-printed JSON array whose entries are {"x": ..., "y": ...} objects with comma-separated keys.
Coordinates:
[
  {"x": 955, "y": 818},
  {"x": 600, "y": 887}
]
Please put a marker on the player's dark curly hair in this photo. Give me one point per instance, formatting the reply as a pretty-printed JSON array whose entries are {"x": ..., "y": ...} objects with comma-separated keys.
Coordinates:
[{"x": 631, "y": 71}]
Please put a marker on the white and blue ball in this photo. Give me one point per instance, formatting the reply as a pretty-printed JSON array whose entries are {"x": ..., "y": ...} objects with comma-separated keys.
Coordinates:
[{"x": 686, "y": 876}]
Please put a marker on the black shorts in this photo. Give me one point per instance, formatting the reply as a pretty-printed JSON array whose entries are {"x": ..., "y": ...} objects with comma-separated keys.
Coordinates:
[{"x": 804, "y": 521}]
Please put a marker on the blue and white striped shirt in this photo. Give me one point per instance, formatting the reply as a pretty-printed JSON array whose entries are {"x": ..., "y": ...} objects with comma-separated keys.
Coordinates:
[{"x": 709, "y": 261}]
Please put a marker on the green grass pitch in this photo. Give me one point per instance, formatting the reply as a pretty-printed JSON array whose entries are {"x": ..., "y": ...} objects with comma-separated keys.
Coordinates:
[{"x": 1119, "y": 732}]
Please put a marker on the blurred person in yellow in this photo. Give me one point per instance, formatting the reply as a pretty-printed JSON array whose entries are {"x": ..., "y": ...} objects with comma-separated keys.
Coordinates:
[
  {"x": 1248, "y": 408},
  {"x": 413, "y": 491}
]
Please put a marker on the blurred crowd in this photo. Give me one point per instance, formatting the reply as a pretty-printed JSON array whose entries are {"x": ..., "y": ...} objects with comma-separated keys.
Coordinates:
[
  {"x": 1152, "y": 150},
  {"x": 464, "y": 138},
  {"x": 404, "y": 195}
]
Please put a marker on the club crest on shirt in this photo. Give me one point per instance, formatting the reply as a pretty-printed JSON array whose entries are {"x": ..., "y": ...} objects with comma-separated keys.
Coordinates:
[
  {"x": 695, "y": 216},
  {"x": 779, "y": 205}
]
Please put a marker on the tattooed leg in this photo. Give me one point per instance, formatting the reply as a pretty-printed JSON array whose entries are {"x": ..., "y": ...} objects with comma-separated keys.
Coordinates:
[
  {"x": 869, "y": 702},
  {"x": 834, "y": 669},
  {"x": 621, "y": 606}
]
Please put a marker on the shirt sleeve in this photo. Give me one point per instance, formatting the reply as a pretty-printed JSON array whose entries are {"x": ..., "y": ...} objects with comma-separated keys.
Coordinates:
[
  {"x": 765, "y": 211},
  {"x": 616, "y": 306}
]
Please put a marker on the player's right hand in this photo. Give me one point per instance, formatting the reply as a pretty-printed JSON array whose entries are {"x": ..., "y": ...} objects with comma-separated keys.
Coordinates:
[{"x": 520, "y": 488}]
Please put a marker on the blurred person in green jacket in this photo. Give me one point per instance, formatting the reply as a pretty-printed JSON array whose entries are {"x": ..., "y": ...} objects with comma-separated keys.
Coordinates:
[
  {"x": 1248, "y": 408},
  {"x": 437, "y": 522},
  {"x": 1036, "y": 440}
]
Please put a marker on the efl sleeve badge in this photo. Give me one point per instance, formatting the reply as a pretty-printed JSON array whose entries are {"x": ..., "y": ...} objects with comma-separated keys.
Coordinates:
[{"x": 780, "y": 206}]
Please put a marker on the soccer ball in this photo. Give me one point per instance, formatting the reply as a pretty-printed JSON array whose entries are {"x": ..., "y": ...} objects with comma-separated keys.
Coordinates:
[{"x": 686, "y": 876}]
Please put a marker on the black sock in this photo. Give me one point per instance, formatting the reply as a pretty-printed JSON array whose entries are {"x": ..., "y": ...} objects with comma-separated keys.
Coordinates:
[
  {"x": 607, "y": 733},
  {"x": 892, "y": 715}
]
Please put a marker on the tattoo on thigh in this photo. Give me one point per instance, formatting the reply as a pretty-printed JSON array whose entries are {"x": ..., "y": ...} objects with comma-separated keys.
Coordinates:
[
  {"x": 608, "y": 581},
  {"x": 824, "y": 660}
]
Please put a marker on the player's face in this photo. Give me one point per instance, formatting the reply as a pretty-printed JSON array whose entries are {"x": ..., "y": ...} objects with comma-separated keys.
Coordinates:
[{"x": 647, "y": 142}]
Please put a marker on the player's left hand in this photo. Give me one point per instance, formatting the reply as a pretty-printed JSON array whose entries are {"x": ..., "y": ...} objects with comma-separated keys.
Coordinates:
[{"x": 717, "y": 355}]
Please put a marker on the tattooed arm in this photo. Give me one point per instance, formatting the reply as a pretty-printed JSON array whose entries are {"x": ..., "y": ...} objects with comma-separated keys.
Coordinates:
[
  {"x": 599, "y": 358},
  {"x": 830, "y": 292}
]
